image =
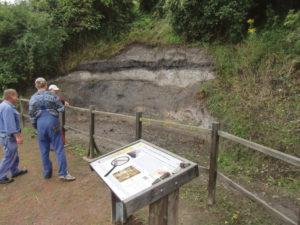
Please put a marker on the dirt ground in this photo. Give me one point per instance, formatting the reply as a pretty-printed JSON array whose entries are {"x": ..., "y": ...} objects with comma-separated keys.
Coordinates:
[{"x": 33, "y": 200}]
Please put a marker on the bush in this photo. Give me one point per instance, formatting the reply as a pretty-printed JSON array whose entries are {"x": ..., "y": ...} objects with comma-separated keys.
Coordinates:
[
  {"x": 29, "y": 44},
  {"x": 291, "y": 24},
  {"x": 223, "y": 20},
  {"x": 83, "y": 17},
  {"x": 256, "y": 93},
  {"x": 209, "y": 19},
  {"x": 148, "y": 5},
  {"x": 35, "y": 33}
]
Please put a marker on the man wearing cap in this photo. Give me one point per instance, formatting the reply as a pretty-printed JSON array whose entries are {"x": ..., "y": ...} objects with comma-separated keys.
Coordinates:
[
  {"x": 10, "y": 137},
  {"x": 44, "y": 109},
  {"x": 55, "y": 90}
]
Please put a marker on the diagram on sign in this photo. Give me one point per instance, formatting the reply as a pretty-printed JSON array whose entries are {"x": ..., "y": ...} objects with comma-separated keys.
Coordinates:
[{"x": 136, "y": 168}]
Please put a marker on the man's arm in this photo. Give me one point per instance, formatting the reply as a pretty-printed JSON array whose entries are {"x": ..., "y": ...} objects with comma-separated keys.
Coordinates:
[
  {"x": 19, "y": 137},
  {"x": 32, "y": 112},
  {"x": 11, "y": 126},
  {"x": 10, "y": 123},
  {"x": 59, "y": 105}
]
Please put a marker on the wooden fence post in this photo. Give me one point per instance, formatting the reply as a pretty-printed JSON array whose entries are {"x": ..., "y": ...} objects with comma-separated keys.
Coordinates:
[
  {"x": 138, "y": 126},
  {"x": 214, "y": 149},
  {"x": 92, "y": 144},
  {"x": 22, "y": 113}
]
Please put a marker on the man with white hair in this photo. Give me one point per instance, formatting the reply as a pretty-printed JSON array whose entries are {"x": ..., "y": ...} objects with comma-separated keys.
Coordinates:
[
  {"x": 55, "y": 90},
  {"x": 10, "y": 137},
  {"x": 44, "y": 109}
]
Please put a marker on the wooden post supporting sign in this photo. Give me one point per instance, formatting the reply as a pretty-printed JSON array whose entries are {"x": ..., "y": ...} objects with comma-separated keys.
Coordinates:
[
  {"x": 165, "y": 210},
  {"x": 119, "y": 216}
]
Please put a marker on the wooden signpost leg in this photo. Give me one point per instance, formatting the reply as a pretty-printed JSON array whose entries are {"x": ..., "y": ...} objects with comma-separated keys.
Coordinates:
[
  {"x": 118, "y": 212},
  {"x": 173, "y": 208},
  {"x": 165, "y": 210}
]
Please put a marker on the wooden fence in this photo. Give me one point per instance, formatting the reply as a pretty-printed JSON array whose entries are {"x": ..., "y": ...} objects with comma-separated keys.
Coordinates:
[{"x": 215, "y": 134}]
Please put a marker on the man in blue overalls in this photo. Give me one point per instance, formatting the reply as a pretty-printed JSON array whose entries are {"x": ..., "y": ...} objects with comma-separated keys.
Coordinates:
[
  {"x": 10, "y": 137},
  {"x": 44, "y": 109}
]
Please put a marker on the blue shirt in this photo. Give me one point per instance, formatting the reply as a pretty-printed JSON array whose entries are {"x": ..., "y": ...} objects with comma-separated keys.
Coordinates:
[
  {"x": 44, "y": 101},
  {"x": 9, "y": 119}
]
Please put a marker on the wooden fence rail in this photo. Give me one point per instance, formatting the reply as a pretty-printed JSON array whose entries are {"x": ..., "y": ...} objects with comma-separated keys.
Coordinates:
[
  {"x": 266, "y": 150},
  {"x": 215, "y": 133}
]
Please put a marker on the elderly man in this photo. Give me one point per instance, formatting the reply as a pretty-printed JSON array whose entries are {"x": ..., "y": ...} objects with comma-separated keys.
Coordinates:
[
  {"x": 10, "y": 137},
  {"x": 55, "y": 90},
  {"x": 44, "y": 109}
]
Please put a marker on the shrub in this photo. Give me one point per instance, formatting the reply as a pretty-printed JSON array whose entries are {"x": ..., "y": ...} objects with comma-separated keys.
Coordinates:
[
  {"x": 29, "y": 45},
  {"x": 79, "y": 17},
  {"x": 291, "y": 24},
  {"x": 34, "y": 33},
  {"x": 209, "y": 19},
  {"x": 148, "y": 5}
]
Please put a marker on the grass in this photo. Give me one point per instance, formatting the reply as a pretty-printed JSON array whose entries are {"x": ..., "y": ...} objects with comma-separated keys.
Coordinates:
[
  {"x": 145, "y": 29},
  {"x": 78, "y": 149},
  {"x": 29, "y": 132},
  {"x": 255, "y": 95}
]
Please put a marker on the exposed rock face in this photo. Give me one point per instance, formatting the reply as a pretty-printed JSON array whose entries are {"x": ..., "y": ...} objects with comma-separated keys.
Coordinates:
[{"x": 163, "y": 81}]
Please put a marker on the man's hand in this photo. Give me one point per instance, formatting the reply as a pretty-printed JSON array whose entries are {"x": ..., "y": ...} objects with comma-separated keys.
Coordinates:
[
  {"x": 67, "y": 103},
  {"x": 19, "y": 138}
]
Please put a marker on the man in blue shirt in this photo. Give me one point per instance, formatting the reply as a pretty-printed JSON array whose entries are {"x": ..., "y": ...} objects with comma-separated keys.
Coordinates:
[
  {"x": 10, "y": 137},
  {"x": 44, "y": 109}
]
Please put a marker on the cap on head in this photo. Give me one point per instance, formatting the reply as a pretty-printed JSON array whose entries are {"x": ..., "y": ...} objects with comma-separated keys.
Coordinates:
[
  {"x": 53, "y": 87},
  {"x": 40, "y": 83}
]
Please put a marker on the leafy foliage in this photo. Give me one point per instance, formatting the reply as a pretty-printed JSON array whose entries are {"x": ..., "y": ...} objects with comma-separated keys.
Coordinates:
[
  {"x": 210, "y": 20},
  {"x": 29, "y": 44},
  {"x": 34, "y": 34},
  {"x": 148, "y": 5},
  {"x": 257, "y": 90}
]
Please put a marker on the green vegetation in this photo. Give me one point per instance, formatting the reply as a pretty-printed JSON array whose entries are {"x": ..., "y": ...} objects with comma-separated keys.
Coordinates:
[
  {"x": 255, "y": 47},
  {"x": 78, "y": 149},
  {"x": 145, "y": 29},
  {"x": 210, "y": 20},
  {"x": 257, "y": 90},
  {"x": 35, "y": 34},
  {"x": 256, "y": 96},
  {"x": 28, "y": 44}
]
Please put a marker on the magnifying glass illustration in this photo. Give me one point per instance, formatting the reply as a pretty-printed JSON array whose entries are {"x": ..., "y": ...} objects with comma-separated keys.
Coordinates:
[{"x": 117, "y": 162}]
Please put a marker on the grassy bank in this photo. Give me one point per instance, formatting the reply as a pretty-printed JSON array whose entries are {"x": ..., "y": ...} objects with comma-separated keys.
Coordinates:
[
  {"x": 145, "y": 29},
  {"x": 255, "y": 95}
]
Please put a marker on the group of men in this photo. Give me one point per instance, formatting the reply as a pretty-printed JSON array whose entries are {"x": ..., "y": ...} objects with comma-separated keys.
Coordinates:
[{"x": 44, "y": 108}]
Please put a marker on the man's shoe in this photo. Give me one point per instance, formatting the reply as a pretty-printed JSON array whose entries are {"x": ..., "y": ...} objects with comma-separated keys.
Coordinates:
[
  {"x": 6, "y": 180},
  {"x": 48, "y": 176},
  {"x": 20, "y": 173},
  {"x": 67, "y": 177}
]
